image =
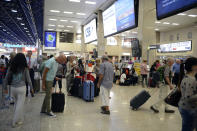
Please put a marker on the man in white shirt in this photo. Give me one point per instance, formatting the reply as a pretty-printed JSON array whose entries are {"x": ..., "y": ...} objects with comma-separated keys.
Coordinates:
[{"x": 31, "y": 63}]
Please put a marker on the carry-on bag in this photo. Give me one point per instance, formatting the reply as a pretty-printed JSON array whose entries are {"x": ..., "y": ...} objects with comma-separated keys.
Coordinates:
[
  {"x": 58, "y": 101},
  {"x": 139, "y": 99},
  {"x": 88, "y": 91}
]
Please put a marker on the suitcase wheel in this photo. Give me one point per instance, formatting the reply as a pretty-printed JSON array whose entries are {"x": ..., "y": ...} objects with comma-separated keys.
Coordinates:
[{"x": 135, "y": 109}]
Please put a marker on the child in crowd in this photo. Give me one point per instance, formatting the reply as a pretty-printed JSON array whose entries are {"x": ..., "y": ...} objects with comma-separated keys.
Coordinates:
[{"x": 123, "y": 79}]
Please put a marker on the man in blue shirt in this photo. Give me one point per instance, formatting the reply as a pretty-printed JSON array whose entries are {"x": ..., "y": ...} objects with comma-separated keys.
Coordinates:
[
  {"x": 176, "y": 71},
  {"x": 49, "y": 74}
]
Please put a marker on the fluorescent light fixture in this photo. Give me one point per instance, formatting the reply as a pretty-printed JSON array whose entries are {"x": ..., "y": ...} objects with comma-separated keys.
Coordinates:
[
  {"x": 27, "y": 31},
  {"x": 50, "y": 25},
  {"x": 55, "y": 11},
  {"x": 69, "y": 26},
  {"x": 127, "y": 54},
  {"x": 53, "y": 19},
  {"x": 50, "y": 29},
  {"x": 7, "y": 0},
  {"x": 8, "y": 32},
  {"x": 60, "y": 25},
  {"x": 157, "y": 22},
  {"x": 14, "y": 11},
  {"x": 157, "y": 29},
  {"x": 22, "y": 24},
  {"x": 134, "y": 32},
  {"x": 63, "y": 20},
  {"x": 68, "y": 12},
  {"x": 75, "y": 0},
  {"x": 192, "y": 16},
  {"x": 81, "y": 14},
  {"x": 74, "y": 21},
  {"x": 25, "y": 28},
  {"x": 166, "y": 23},
  {"x": 0, "y": 26},
  {"x": 18, "y": 18},
  {"x": 66, "y": 30},
  {"x": 28, "y": 34},
  {"x": 90, "y": 2},
  {"x": 175, "y": 24},
  {"x": 182, "y": 14}
]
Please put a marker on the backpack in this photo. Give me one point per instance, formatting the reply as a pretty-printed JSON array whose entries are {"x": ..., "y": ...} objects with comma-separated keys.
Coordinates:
[{"x": 161, "y": 70}]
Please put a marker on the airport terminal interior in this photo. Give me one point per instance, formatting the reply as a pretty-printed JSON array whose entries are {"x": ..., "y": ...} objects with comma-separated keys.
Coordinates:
[{"x": 96, "y": 65}]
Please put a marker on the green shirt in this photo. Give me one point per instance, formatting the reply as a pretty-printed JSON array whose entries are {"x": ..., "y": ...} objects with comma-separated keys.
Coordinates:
[{"x": 52, "y": 65}]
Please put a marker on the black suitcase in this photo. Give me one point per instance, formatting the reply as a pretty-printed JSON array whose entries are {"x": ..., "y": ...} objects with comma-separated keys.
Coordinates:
[
  {"x": 75, "y": 88},
  {"x": 58, "y": 102},
  {"x": 139, "y": 100},
  {"x": 96, "y": 89}
]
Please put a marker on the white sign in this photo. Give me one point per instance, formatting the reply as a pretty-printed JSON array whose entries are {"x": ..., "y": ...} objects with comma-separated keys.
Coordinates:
[
  {"x": 90, "y": 33},
  {"x": 176, "y": 47}
]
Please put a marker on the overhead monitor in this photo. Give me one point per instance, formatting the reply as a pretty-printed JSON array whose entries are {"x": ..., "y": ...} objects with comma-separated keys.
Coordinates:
[
  {"x": 120, "y": 16},
  {"x": 66, "y": 37},
  {"x": 90, "y": 33},
  {"x": 50, "y": 39},
  {"x": 166, "y": 8},
  {"x": 176, "y": 47}
]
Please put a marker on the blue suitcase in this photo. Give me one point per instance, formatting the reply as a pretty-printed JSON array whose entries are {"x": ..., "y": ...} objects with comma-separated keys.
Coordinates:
[{"x": 88, "y": 91}]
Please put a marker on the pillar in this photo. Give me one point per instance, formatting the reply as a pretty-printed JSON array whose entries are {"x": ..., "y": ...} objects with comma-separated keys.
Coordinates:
[
  {"x": 100, "y": 35},
  {"x": 146, "y": 28},
  {"x": 83, "y": 45}
]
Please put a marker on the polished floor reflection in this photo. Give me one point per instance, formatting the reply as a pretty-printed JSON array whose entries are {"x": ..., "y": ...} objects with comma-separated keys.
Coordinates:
[{"x": 82, "y": 116}]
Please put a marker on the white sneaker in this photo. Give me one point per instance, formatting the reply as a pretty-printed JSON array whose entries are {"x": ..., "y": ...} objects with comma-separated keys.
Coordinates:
[{"x": 51, "y": 114}]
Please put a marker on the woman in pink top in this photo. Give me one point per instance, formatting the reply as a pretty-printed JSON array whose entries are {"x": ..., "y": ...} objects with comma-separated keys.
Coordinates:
[{"x": 144, "y": 73}]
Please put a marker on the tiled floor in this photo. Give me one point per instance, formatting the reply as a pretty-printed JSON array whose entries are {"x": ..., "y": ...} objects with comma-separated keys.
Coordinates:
[{"x": 83, "y": 116}]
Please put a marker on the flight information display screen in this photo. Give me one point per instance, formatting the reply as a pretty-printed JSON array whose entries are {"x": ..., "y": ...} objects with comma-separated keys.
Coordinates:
[
  {"x": 119, "y": 17},
  {"x": 176, "y": 47},
  {"x": 166, "y": 8}
]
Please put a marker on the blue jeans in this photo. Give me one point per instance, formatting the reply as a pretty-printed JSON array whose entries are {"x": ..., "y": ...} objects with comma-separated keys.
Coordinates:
[{"x": 188, "y": 119}]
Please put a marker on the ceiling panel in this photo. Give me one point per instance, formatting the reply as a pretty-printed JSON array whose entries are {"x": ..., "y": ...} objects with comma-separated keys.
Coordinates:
[{"x": 65, "y": 5}]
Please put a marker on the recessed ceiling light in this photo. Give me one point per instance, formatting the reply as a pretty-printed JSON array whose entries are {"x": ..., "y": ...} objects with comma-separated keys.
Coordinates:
[
  {"x": 81, "y": 14},
  {"x": 175, "y": 24},
  {"x": 69, "y": 26},
  {"x": 156, "y": 29},
  {"x": 60, "y": 25},
  {"x": 25, "y": 28},
  {"x": 53, "y": 19},
  {"x": 166, "y": 23},
  {"x": 27, "y": 31},
  {"x": 64, "y": 20},
  {"x": 192, "y": 16},
  {"x": 75, "y": 0},
  {"x": 28, "y": 34},
  {"x": 182, "y": 14},
  {"x": 8, "y": 32},
  {"x": 67, "y": 30},
  {"x": 55, "y": 11},
  {"x": 22, "y": 24},
  {"x": 68, "y": 12},
  {"x": 134, "y": 32},
  {"x": 18, "y": 18},
  {"x": 14, "y": 11},
  {"x": 50, "y": 29},
  {"x": 90, "y": 2},
  {"x": 157, "y": 22},
  {"x": 74, "y": 21},
  {"x": 7, "y": 0},
  {"x": 50, "y": 25}
]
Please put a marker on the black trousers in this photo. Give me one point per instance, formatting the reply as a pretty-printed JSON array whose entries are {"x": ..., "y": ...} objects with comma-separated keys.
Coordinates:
[
  {"x": 31, "y": 73},
  {"x": 144, "y": 77},
  {"x": 175, "y": 79}
]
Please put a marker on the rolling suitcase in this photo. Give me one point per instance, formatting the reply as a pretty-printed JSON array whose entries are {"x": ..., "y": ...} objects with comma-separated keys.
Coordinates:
[
  {"x": 88, "y": 91},
  {"x": 58, "y": 102},
  {"x": 139, "y": 100}
]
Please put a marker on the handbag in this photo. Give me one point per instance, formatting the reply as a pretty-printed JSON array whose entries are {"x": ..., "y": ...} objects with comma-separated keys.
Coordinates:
[{"x": 173, "y": 98}]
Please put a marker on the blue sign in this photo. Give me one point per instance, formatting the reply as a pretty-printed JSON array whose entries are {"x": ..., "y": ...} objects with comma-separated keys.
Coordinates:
[
  {"x": 50, "y": 40},
  {"x": 167, "y": 8}
]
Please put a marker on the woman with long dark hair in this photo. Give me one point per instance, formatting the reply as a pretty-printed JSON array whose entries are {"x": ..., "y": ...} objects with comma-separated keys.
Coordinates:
[
  {"x": 16, "y": 77},
  {"x": 188, "y": 102}
]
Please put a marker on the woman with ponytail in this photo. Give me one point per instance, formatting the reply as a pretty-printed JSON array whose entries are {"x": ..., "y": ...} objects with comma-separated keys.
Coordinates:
[{"x": 188, "y": 87}]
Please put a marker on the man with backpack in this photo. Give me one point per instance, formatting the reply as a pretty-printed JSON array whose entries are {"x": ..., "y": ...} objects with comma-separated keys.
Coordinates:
[{"x": 164, "y": 84}]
